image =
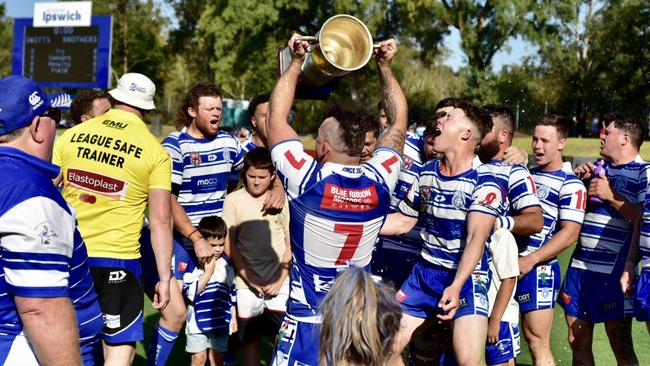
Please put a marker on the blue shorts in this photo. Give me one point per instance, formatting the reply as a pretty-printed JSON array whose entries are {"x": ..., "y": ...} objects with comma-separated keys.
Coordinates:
[
  {"x": 643, "y": 296},
  {"x": 182, "y": 261},
  {"x": 594, "y": 297},
  {"x": 91, "y": 352},
  {"x": 298, "y": 343},
  {"x": 508, "y": 346},
  {"x": 422, "y": 290},
  {"x": 538, "y": 289}
]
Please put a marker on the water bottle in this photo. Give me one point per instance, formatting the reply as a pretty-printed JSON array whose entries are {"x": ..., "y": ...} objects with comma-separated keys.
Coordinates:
[{"x": 600, "y": 168}]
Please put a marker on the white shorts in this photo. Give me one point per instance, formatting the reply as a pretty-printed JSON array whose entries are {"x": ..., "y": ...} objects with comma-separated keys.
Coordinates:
[
  {"x": 251, "y": 304},
  {"x": 201, "y": 341}
]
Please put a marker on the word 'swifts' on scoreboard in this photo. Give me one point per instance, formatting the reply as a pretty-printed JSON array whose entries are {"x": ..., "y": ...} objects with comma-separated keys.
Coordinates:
[{"x": 64, "y": 57}]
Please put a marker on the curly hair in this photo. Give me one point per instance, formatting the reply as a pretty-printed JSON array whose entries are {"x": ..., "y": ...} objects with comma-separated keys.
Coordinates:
[{"x": 201, "y": 89}]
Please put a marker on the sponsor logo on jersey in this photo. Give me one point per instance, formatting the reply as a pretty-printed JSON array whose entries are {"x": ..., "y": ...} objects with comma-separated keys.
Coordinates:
[
  {"x": 45, "y": 233},
  {"x": 407, "y": 163},
  {"x": 296, "y": 164},
  {"x": 426, "y": 192},
  {"x": 347, "y": 199},
  {"x": 458, "y": 200},
  {"x": 114, "y": 124},
  {"x": 97, "y": 183},
  {"x": 195, "y": 158},
  {"x": 542, "y": 192}
]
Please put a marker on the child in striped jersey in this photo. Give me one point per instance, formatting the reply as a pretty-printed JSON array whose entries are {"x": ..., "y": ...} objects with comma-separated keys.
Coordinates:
[{"x": 211, "y": 312}]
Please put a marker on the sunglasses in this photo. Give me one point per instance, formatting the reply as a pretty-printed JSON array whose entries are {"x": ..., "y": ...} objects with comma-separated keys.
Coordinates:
[{"x": 54, "y": 113}]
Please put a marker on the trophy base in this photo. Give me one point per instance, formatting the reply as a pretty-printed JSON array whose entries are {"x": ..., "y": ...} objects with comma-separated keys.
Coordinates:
[{"x": 305, "y": 91}]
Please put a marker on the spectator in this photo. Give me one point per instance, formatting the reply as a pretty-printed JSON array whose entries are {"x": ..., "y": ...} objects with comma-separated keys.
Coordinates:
[
  {"x": 262, "y": 239},
  {"x": 360, "y": 321},
  {"x": 45, "y": 276}
]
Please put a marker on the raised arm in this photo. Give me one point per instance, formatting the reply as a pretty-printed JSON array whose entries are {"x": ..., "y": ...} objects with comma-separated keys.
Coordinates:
[
  {"x": 392, "y": 97},
  {"x": 277, "y": 127}
]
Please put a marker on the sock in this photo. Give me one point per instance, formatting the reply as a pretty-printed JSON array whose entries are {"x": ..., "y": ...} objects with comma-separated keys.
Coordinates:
[{"x": 161, "y": 345}]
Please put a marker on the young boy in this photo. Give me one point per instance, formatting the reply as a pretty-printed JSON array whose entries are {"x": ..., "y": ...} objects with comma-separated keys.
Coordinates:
[
  {"x": 261, "y": 253},
  {"x": 211, "y": 314}
]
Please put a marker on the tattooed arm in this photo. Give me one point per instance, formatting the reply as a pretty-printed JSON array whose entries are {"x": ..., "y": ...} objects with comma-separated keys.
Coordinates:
[{"x": 392, "y": 97}]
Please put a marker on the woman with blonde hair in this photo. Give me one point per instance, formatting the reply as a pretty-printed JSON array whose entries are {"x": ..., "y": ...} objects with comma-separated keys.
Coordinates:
[{"x": 360, "y": 321}]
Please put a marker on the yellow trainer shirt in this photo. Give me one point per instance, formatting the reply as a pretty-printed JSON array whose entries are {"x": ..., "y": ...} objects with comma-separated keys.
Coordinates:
[{"x": 109, "y": 163}]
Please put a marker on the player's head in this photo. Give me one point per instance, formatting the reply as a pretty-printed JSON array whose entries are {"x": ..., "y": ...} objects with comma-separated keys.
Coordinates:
[
  {"x": 214, "y": 229},
  {"x": 136, "y": 91},
  {"x": 445, "y": 106},
  {"x": 257, "y": 109},
  {"x": 360, "y": 321},
  {"x": 500, "y": 136},
  {"x": 89, "y": 104},
  {"x": 463, "y": 127},
  {"x": 258, "y": 172},
  {"x": 623, "y": 136},
  {"x": 429, "y": 137},
  {"x": 339, "y": 136},
  {"x": 201, "y": 109},
  {"x": 370, "y": 125},
  {"x": 27, "y": 119},
  {"x": 549, "y": 138},
  {"x": 381, "y": 116}
]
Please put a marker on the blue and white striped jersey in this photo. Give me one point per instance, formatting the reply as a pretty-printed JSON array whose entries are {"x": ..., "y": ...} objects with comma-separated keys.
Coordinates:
[
  {"x": 645, "y": 231},
  {"x": 209, "y": 310},
  {"x": 200, "y": 170},
  {"x": 563, "y": 198},
  {"x": 444, "y": 203},
  {"x": 411, "y": 241},
  {"x": 517, "y": 186},
  {"x": 605, "y": 236},
  {"x": 336, "y": 212},
  {"x": 42, "y": 255}
]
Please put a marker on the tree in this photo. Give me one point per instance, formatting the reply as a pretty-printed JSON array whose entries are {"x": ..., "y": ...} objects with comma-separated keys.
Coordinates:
[
  {"x": 6, "y": 38},
  {"x": 484, "y": 27}
]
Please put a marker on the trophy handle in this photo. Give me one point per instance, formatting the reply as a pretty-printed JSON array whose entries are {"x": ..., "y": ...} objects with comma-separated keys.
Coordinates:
[
  {"x": 314, "y": 39},
  {"x": 311, "y": 39}
]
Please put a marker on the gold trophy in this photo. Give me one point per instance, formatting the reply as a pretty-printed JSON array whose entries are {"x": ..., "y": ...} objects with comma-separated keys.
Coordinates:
[{"x": 342, "y": 45}]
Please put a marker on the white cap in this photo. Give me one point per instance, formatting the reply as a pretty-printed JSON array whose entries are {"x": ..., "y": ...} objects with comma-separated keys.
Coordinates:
[{"x": 136, "y": 90}]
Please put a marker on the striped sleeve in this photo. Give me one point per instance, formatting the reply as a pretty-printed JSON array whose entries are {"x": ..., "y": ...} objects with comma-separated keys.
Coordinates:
[
  {"x": 521, "y": 189},
  {"x": 487, "y": 197},
  {"x": 172, "y": 146},
  {"x": 294, "y": 166},
  {"x": 37, "y": 248},
  {"x": 573, "y": 200}
]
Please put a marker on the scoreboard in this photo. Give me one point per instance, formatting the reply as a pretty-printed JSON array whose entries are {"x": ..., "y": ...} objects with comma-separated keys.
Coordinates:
[{"x": 64, "y": 57}]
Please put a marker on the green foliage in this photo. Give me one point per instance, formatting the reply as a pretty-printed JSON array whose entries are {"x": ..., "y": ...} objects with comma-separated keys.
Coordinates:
[{"x": 6, "y": 39}]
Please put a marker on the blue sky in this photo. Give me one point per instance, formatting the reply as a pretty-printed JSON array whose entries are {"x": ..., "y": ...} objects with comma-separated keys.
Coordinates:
[{"x": 518, "y": 48}]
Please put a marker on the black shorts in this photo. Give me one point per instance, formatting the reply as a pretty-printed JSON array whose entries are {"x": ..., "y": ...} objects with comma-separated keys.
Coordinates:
[
  {"x": 121, "y": 299},
  {"x": 266, "y": 324}
]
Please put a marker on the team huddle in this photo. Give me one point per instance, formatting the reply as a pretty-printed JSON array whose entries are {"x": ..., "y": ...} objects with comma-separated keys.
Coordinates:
[{"x": 235, "y": 240}]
